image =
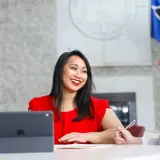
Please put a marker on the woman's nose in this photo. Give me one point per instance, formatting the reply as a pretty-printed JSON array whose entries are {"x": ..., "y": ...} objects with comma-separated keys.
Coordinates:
[{"x": 78, "y": 74}]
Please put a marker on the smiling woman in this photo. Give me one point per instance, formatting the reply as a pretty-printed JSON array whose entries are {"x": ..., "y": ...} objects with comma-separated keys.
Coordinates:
[{"x": 78, "y": 117}]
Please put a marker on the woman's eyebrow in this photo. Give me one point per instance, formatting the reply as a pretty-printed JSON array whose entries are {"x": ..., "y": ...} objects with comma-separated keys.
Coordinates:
[{"x": 77, "y": 66}]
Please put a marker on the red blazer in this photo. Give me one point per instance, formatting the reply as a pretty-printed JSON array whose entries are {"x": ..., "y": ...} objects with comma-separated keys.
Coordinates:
[{"x": 65, "y": 124}]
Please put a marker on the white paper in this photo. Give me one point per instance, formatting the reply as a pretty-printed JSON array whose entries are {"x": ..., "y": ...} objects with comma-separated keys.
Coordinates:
[{"x": 81, "y": 146}]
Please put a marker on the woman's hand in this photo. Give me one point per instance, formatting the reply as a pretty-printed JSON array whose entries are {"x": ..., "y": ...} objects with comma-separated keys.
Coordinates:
[
  {"x": 108, "y": 136},
  {"x": 123, "y": 136},
  {"x": 76, "y": 137}
]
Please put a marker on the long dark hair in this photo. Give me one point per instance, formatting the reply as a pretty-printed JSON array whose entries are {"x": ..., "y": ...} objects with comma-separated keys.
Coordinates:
[{"x": 83, "y": 98}]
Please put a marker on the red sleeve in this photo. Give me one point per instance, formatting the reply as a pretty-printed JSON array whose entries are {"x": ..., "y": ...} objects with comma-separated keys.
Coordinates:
[
  {"x": 100, "y": 107},
  {"x": 32, "y": 105},
  {"x": 43, "y": 103}
]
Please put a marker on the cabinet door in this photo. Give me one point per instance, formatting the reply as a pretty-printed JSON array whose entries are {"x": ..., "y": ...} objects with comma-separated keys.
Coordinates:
[{"x": 133, "y": 47}]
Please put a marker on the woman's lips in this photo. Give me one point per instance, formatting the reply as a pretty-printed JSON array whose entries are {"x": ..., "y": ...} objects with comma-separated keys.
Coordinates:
[{"x": 76, "y": 82}]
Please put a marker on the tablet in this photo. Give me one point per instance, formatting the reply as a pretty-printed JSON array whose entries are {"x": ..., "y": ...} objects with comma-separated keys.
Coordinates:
[{"x": 23, "y": 132}]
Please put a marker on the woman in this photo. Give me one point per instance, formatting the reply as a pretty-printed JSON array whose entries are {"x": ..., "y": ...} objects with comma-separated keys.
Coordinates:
[{"x": 78, "y": 117}]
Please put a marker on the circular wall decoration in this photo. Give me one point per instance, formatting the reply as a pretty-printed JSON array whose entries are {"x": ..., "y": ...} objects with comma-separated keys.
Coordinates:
[{"x": 102, "y": 19}]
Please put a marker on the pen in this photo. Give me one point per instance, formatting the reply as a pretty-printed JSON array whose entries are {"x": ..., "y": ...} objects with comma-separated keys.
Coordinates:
[{"x": 131, "y": 124}]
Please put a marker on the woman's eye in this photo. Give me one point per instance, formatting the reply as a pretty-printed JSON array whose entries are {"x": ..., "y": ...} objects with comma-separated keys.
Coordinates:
[
  {"x": 84, "y": 71},
  {"x": 73, "y": 68}
]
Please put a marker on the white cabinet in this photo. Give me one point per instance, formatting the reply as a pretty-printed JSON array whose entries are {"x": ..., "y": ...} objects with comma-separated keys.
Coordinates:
[{"x": 108, "y": 32}]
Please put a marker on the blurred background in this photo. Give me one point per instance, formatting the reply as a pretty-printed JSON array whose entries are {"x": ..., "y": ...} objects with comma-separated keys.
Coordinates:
[{"x": 115, "y": 36}]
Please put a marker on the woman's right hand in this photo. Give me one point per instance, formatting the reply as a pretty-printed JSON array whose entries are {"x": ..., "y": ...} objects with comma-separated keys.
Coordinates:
[{"x": 123, "y": 136}]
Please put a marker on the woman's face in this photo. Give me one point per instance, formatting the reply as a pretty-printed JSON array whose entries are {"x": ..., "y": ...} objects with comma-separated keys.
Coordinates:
[{"x": 74, "y": 74}]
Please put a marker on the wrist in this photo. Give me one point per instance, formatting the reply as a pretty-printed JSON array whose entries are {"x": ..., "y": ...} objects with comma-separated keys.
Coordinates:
[
  {"x": 94, "y": 137},
  {"x": 137, "y": 140}
]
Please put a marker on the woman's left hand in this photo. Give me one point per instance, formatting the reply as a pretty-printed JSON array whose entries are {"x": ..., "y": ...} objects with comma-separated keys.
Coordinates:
[{"x": 75, "y": 137}]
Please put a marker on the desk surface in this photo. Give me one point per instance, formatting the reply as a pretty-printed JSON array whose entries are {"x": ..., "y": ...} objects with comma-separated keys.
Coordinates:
[{"x": 102, "y": 152}]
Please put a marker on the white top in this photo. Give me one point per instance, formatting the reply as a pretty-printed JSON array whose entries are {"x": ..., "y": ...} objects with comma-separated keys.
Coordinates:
[{"x": 92, "y": 152}]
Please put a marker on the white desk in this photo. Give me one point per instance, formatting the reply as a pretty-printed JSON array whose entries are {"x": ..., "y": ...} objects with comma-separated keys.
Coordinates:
[{"x": 103, "y": 152}]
